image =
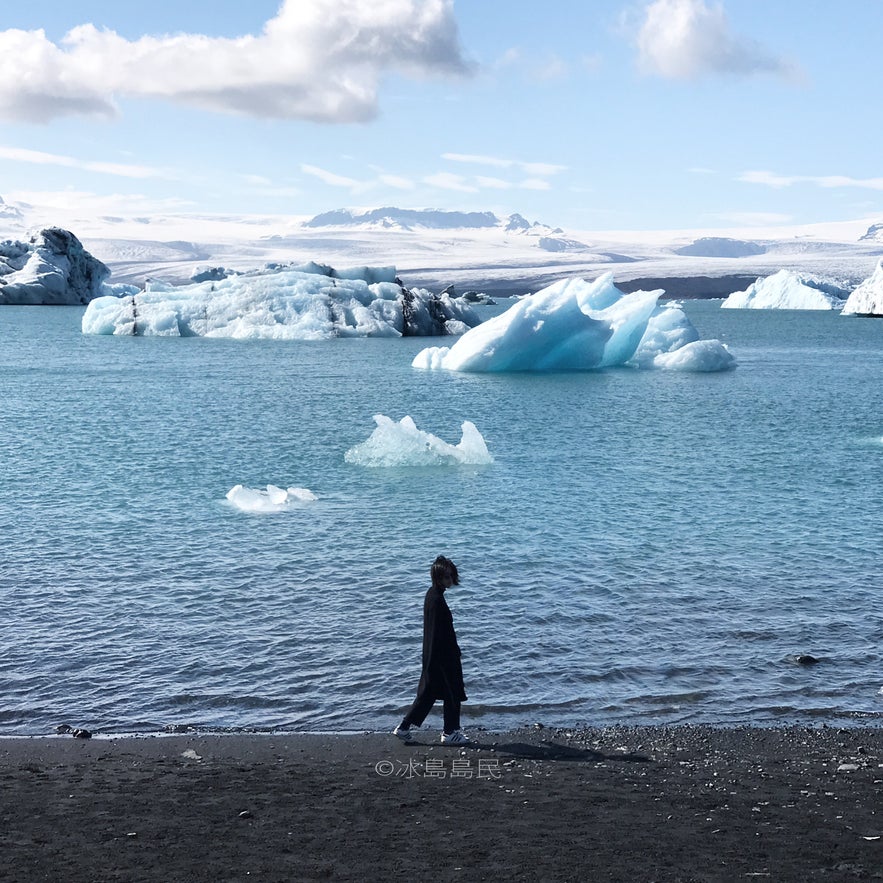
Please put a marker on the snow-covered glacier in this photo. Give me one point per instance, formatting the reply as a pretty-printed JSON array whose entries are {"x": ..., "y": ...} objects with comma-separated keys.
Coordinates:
[
  {"x": 867, "y": 299},
  {"x": 787, "y": 290},
  {"x": 281, "y": 302},
  {"x": 575, "y": 325}
]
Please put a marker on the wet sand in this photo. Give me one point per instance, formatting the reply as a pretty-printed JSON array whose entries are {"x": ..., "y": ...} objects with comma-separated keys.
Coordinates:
[{"x": 623, "y": 804}]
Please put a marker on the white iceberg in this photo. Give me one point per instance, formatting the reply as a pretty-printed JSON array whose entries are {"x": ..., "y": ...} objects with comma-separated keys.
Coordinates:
[
  {"x": 787, "y": 290},
  {"x": 273, "y": 499},
  {"x": 577, "y": 325},
  {"x": 700, "y": 355},
  {"x": 52, "y": 269},
  {"x": 867, "y": 299},
  {"x": 403, "y": 444},
  {"x": 310, "y": 302}
]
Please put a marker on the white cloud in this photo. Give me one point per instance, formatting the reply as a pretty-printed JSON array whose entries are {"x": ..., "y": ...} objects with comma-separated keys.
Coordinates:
[
  {"x": 38, "y": 157},
  {"x": 330, "y": 177},
  {"x": 535, "y": 184},
  {"x": 492, "y": 183},
  {"x": 684, "y": 39},
  {"x": 396, "y": 182},
  {"x": 318, "y": 60},
  {"x": 511, "y": 56},
  {"x": 529, "y": 168},
  {"x": 447, "y": 181},
  {"x": 554, "y": 68},
  {"x": 83, "y": 203},
  {"x": 777, "y": 182},
  {"x": 538, "y": 67}
]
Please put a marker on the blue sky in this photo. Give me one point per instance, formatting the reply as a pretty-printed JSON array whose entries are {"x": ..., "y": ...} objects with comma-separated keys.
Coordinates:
[{"x": 590, "y": 115}]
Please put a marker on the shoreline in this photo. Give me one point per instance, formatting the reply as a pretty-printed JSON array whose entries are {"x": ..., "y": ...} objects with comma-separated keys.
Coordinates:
[{"x": 604, "y": 803}]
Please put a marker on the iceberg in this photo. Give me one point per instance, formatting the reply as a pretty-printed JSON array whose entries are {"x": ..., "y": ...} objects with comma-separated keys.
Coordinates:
[
  {"x": 280, "y": 302},
  {"x": 787, "y": 290},
  {"x": 403, "y": 444},
  {"x": 273, "y": 499},
  {"x": 700, "y": 355},
  {"x": 867, "y": 299},
  {"x": 52, "y": 269},
  {"x": 575, "y": 325}
]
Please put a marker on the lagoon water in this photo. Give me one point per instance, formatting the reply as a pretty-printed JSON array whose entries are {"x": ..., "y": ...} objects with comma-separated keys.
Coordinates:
[{"x": 647, "y": 547}]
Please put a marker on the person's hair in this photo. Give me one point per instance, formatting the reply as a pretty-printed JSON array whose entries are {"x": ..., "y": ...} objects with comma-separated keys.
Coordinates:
[{"x": 443, "y": 567}]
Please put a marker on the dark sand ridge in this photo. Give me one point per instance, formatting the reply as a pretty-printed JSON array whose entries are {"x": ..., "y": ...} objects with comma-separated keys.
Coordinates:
[{"x": 625, "y": 804}]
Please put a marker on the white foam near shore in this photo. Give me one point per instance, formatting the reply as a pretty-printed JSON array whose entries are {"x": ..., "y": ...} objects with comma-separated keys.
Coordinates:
[
  {"x": 403, "y": 444},
  {"x": 273, "y": 499}
]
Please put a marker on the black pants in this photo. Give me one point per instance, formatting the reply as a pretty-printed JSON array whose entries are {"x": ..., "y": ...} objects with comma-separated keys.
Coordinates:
[{"x": 421, "y": 707}]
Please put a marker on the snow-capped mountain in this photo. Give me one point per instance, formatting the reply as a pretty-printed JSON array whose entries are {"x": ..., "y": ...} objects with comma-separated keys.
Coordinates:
[
  {"x": 874, "y": 234},
  {"x": 405, "y": 219},
  {"x": 476, "y": 250},
  {"x": 10, "y": 217}
]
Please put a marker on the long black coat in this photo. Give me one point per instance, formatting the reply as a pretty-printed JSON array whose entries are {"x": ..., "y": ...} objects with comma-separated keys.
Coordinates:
[{"x": 442, "y": 675}]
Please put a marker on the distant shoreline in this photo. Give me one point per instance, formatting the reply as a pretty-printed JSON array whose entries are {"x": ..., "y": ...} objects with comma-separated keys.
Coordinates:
[{"x": 615, "y": 803}]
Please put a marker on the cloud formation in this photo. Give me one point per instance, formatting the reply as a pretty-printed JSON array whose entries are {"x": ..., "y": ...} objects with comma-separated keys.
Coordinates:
[
  {"x": 777, "y": 182},
  {"x": 39, "y": 157},
  {"x": 318, "y": 60},
  {"x": 529, "y": 168},
  {"x": 685, "y": 39}
]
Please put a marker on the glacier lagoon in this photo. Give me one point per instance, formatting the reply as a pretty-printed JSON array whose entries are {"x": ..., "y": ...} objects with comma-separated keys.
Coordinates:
[{"x": 645, "y": 547}]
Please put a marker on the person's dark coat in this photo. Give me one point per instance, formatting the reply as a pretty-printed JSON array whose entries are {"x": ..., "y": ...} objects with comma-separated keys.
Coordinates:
[{"x": 442, "y": 676}]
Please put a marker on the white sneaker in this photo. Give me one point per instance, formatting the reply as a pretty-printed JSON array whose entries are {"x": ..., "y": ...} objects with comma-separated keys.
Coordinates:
[
  {"x": 404, "y": 733},
  {"x": 458, "y": 737}
]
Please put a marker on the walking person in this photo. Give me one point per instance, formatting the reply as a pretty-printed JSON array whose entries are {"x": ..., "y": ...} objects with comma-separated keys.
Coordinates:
[{"x": 442, "y": 675}]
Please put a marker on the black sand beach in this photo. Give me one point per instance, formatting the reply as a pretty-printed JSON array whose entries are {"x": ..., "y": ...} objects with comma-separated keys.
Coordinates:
[{"x": 624, "y": 804}]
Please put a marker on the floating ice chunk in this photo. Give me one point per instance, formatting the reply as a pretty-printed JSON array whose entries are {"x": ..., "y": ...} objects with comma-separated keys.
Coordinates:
[
  {"x": 52, "y": 269},
  {"x": 403, "y": 444},
  {"x": 867, "y": 299},
  {"x": 283, "y": 303},
  {"x": 273, "y": 499},
  {"x": 787, "y": 290},
  {"x": 701, "y": 355},
  {"x": 667, "y": 330},
  {"x": 571, "y": 325}
]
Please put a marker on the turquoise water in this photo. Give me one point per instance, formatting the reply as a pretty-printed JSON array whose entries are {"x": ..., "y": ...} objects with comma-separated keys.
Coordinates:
[{"x": 647, "y": 547}]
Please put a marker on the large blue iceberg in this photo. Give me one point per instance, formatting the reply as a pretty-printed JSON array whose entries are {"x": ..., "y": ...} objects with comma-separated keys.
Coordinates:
[{"x": 575, "y": 325}]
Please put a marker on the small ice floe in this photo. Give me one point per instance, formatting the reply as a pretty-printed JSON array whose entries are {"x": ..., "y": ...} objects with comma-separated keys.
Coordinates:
[
  {"x": 403, "y": 444},
  {"x": 273, "y": 499}
]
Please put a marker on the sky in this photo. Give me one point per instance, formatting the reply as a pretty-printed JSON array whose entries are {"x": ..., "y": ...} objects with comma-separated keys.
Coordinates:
[{"x": 588, "y": 114}]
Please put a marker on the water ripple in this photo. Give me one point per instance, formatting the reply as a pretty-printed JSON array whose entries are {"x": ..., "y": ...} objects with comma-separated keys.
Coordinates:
[{"x": 645, "y": 548}]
